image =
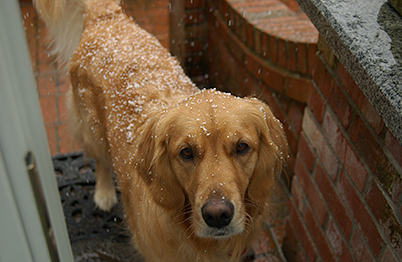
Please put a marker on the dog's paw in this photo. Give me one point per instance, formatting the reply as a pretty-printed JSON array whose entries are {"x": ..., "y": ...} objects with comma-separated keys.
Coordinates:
[{"x": 105, "y": 199}]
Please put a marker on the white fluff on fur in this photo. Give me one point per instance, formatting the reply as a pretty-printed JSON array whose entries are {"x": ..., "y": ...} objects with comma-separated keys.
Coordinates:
[{"x": 64, "y": 21}]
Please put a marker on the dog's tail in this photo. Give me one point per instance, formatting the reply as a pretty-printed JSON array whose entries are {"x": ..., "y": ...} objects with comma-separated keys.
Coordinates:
[{"x": 64, "y": 22}]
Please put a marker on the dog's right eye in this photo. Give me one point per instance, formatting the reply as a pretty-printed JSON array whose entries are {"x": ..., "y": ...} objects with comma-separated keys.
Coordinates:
[
  {"x": 242, "y": 148},
  {"x": 186, "y": 153}
]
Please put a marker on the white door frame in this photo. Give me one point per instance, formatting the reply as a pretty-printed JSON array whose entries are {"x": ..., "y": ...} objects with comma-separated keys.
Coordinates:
[{"x": 32, "y": 224}]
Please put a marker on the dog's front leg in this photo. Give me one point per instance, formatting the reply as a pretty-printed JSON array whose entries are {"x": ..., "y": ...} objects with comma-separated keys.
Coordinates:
[{"x": 105, "y": 192}]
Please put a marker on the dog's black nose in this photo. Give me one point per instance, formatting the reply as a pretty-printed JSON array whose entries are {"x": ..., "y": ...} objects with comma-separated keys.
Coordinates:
[{"x": 217, "y": 213}]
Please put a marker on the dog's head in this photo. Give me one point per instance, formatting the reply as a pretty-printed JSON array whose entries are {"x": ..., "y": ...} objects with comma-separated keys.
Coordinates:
[{"x": 213, "y": 152}]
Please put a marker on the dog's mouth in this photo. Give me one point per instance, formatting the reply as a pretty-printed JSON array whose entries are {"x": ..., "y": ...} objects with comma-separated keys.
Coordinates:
[{"x": 220, "y": 233}]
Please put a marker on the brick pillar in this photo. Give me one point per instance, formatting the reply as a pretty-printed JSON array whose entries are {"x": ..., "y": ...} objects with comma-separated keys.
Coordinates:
[
  {"x": 188, "y": 31},
  {"x": 177, "y": 29}
]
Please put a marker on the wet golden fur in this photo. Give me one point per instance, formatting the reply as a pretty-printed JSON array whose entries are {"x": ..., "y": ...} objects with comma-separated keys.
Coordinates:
[{"x": 135, "y": 112}]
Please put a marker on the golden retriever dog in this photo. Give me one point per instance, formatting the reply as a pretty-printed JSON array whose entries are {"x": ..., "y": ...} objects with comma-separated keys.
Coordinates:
[{"x": 195, "y": 168}]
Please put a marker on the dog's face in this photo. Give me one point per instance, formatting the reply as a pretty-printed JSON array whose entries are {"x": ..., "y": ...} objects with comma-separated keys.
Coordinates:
[{"x": 218, "y": 154}]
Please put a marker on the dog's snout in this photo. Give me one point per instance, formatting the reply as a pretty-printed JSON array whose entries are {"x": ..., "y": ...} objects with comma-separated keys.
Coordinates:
[{"x": 217, "y": 214}]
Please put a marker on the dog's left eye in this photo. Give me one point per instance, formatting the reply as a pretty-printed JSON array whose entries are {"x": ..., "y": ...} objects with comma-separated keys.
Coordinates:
[
  {"x": 186, "y": 153},
  {"x": 242, "y": 148}
]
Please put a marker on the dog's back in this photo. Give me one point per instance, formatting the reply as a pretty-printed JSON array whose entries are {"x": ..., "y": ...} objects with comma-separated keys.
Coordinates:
[{"x": 120, "y": 74}]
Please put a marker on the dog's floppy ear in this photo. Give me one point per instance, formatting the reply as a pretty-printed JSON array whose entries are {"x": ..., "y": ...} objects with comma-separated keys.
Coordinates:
[
  {"x": 155, "y": 167},
  {"x": 272, "y": 155}
]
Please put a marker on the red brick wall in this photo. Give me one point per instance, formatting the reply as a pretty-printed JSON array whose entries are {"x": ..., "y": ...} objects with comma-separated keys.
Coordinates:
[
  {"x": 346, "y": 191},
  {"x": 345, "y": 173}
]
